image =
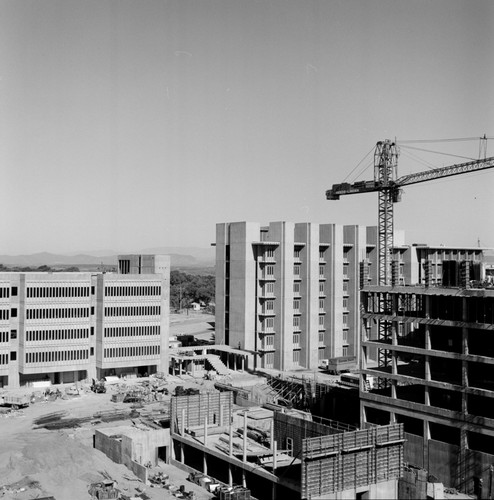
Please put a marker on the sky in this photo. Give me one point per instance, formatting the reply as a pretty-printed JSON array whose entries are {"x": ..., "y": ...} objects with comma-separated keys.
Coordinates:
[{"x": 134, "y": 124}]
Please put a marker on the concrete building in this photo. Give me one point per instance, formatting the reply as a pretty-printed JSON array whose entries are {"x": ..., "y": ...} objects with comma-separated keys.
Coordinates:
[
  {"x": 66, "y": 327},
  {"x": 288, "y": 293},
  {"x": 438, "y": 382},
  {"x": 284, "y": 455}
]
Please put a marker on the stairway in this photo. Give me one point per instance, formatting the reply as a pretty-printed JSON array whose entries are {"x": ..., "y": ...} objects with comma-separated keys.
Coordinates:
[{"x": 217, "y": 364}]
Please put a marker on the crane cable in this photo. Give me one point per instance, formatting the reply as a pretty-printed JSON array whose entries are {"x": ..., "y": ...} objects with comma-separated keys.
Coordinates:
[
  {"x": 438, "y": 152},
  {"x": 358, "y": 164},
  {"x": 417, "y": 141}
]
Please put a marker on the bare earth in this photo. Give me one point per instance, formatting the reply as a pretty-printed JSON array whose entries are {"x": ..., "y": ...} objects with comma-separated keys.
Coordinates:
[{"x": 63, "y": 463}]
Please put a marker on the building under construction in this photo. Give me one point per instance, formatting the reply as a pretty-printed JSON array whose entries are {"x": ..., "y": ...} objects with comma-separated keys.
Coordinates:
[
  {"x": 435, "y": 374},
  {"x": 284, "y": 455}
]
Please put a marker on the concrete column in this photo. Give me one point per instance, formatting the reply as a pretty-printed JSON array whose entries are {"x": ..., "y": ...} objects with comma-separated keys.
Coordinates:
[
  {"x": 205, "y": 431},
  {"x": 230, "y": 475},
  {"x": 244, "y": 454},
  {"x": 272, "y": 434},
  {"x": 230, "y": 450}
]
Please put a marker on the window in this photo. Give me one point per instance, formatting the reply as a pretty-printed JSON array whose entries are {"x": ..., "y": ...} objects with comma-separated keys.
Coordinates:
[
  {"x": 92, "y": 330},
  {"x": 296, "y": 253},
  {"x": 296, "y": 338},
  {"x": 321, "y": 287},
  {"x": 269, "y": 323},
  {"x": 296, "y": 304},
  {"x": 345, "y": 336},
  {"x": 92, "y": 310},
  {"x": 269, "y": 306},
  {"x": 321, "y": 320},
  {"x": 14, "y": 291},
  {"x": 321, "y": 254},
  {"x": 296, "y": 270},
  {"x": 269, "y": 270},
  {"x": 345, "y": 270},
  {"x": 269, "y": 289},
  {"x": 296, "y": 357},
  {"x": 269, "y": 360},
  {"x": 13, "y": 312},
  {"x": 321, "y": 270},
  {"x": 345, "y": 319},
  {"x": 345, "y": 304},
  {"x": 321, "y": 337},
  {"x": 345, "y": 287},
  {"x": 345, "y": 351},
  {"x": 296, "y": 321},
  {"x": 269, "y": 340},
  {"x": 296, "y": 288},
  {"x": 13, "y": 334},
  {"x": 321, "y": 304},
  {"x": 92, "y": 351},
  {"x": 13, "y": 355},
  {"x": 269, "y": 253}
]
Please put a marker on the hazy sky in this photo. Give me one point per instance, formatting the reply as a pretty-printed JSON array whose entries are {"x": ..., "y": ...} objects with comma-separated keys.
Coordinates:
[{"x": 132, "y": 124}]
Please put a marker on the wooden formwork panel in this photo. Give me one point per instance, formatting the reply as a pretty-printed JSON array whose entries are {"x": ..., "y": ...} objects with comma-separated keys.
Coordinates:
[
  {"x": 197, "y": 408},
  {"x": 352, "y": 459}
]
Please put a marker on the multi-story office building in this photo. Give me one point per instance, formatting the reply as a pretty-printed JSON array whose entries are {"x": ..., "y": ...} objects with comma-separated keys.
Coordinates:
[
  {"x": 289, "y": 292},
  {"x": 67, "y": 327},
  {"x": 436, "y": 377}
]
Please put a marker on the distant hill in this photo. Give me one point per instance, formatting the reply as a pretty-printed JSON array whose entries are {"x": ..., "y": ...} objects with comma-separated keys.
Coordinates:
[{"x": 179, "y": 257}]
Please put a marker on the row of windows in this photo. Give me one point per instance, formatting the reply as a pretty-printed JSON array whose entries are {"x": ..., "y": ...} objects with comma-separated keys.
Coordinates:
[
  {"x": 70, "y": 334},
  {"x": 58, "y": 291},
  {"x": 53, "y": 356},
  {"x": 4, "y": 359},
  {"x": 4, "y": 337},
  {"x": 4, "y": 314},
  {"x": 131, "y": 331},
  {"x": 4, "y": 292},
  {"x": 133, "y": 311},
  {"x": 132, "y": 291},
  {"x": 55, "y": 313},
  {"x": 131, "y": 352}
]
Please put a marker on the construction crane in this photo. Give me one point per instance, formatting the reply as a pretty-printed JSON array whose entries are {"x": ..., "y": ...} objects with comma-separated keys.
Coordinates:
[{"x": 389, "y": 187}]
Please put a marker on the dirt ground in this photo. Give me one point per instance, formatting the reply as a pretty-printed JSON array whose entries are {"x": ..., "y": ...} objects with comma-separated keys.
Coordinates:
[{"x": 63, "y": 463}]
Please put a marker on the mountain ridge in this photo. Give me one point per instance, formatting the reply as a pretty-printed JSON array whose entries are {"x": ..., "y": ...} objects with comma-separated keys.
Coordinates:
[{"x": 196, "y": 257}]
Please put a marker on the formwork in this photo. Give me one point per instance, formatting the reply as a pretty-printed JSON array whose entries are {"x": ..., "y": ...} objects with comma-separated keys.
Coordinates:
[
  {"x": 349, "y": 460},
  {"x": 215, "y": 406}
]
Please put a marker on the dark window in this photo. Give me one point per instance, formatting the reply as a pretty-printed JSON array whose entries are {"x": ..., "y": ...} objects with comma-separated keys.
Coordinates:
[
  {"x": 13, "y": 312},
  {"x": 13, "y": 355},
  {"x": 92, "y": 351},
  {"x": 92, "y": 330},
  {"x": 13, "y": 334},
  {"x": 92, "y": 290},
  {"x": 14, "y": 291},
  {"x": 92, "y": 310}
]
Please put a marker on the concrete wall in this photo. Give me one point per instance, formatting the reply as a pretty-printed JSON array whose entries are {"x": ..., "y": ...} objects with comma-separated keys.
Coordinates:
[{"x": 111, "y": 447}]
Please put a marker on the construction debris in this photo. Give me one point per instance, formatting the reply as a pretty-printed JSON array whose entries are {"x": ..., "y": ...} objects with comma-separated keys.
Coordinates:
[{"x": 104, "y": 490}]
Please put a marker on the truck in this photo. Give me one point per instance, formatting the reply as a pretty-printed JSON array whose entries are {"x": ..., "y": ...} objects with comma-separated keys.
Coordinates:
[
  {"x": 339, "y": 364},
  {"x": 16, "y": 401}
]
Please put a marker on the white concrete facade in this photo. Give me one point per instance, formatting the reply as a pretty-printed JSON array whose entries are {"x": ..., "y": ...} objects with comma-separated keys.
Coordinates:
[
  {"x": 59, "y": 326},
  {"x": 288, "y": 292}
]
